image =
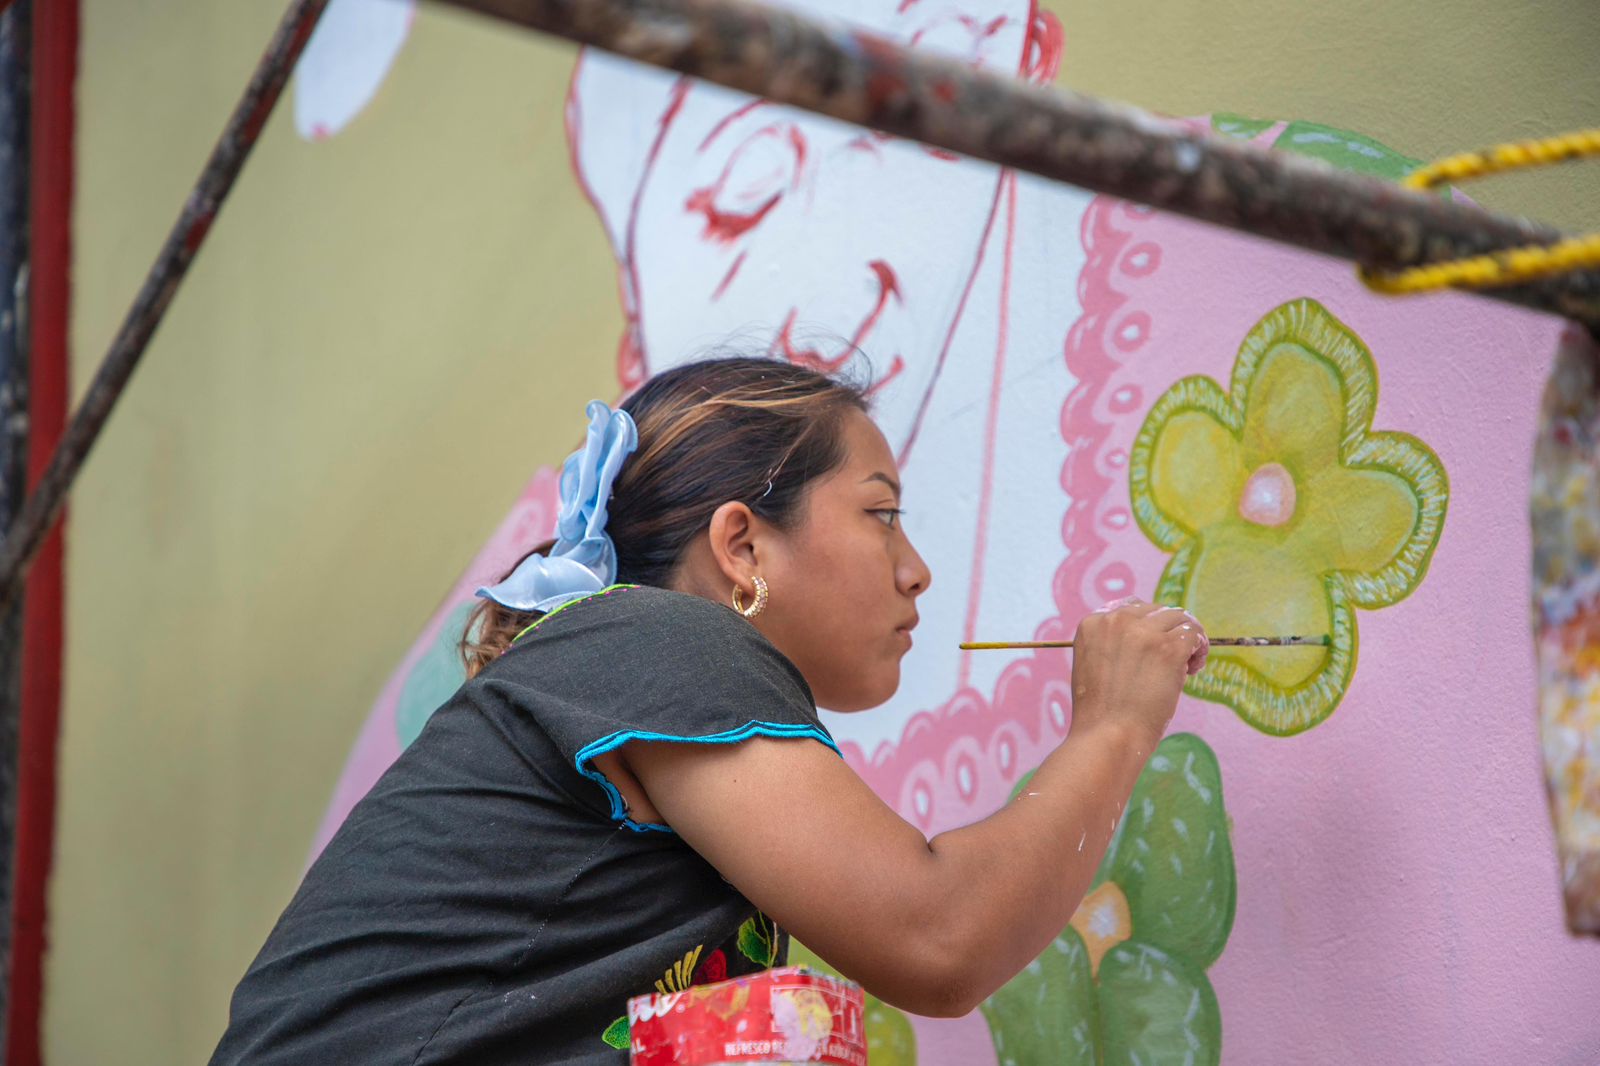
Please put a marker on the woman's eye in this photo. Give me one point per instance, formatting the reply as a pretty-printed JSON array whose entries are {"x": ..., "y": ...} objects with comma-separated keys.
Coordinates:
[{"x": 889, "y": 515}]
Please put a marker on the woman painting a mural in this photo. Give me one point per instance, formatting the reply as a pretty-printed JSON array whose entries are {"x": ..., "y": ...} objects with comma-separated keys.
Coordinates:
[{"x": 633, "y": 790}]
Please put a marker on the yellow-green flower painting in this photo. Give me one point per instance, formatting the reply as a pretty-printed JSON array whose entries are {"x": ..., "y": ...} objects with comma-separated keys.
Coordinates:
[
  {"x": 1284, "y": 511},
  {"x": 1125, "y": 983}
]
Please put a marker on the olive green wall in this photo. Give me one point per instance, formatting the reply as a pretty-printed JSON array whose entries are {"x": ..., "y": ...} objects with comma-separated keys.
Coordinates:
[{"x": 351, "y": 386}]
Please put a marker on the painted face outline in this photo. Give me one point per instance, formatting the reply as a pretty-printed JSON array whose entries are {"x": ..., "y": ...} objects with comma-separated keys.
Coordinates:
[{"x": 718, "y": 203}]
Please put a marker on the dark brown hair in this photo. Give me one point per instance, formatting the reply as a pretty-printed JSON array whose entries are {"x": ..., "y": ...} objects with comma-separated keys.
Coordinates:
[{"x": 755, "y": 430}]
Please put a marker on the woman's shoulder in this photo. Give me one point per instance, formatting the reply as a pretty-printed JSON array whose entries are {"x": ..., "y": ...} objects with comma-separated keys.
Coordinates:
[{"x": 638, "y": 661}]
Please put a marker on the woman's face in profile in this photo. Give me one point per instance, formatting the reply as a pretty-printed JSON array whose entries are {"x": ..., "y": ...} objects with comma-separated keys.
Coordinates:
[{"x": 845, "y": 581}]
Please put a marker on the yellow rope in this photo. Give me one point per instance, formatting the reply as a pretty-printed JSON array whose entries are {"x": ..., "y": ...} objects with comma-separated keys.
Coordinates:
[{"x": 1512, "y": 265}]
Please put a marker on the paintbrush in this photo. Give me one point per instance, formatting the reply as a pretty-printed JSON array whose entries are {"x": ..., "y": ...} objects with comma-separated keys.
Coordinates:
[{"x": 1216, "y": 642}]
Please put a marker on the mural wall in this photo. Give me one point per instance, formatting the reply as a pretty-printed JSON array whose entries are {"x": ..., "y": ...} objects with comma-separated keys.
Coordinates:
[
  {"x": 1089, "y": 400},
  {"x": 1340, "y": 854}
]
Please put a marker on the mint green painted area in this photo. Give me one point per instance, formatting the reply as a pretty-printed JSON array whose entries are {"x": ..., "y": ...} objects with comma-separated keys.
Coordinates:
[
  {"x": 433, "y": 680},
  {"x": 1048, "y": 1012},
  {"x": 1337, "y": 147},
  {"x": 1345, "y": 150},
  {"x": 1151, "y": 1001},
  {"x": 1239, "y": 126},
  {"x": 1172, "y": 857},
  {"x": 1156, "y": 1010}
]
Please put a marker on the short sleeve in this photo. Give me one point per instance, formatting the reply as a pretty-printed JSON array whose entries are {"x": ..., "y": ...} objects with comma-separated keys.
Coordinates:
[{"x": 650, "y": 664}]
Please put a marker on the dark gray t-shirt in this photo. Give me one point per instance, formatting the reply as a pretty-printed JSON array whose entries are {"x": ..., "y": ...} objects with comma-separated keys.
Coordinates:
[{"x": 490, "y": 901}]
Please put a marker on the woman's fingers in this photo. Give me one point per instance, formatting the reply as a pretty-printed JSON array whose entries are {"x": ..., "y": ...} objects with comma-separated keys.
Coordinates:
[
  {"x": 1173, "y": 617},
  {"x": 1166, "y": 618},
  {"x": 1131, "y": 604},
  {"x": 1198, "y": 645}
]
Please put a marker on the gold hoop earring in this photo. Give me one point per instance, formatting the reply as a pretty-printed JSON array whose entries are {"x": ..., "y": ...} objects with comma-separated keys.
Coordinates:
[{"x": 757, "y": 606}]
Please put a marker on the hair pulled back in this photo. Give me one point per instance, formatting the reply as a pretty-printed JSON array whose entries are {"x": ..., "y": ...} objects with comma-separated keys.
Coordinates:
[{"x": 755, "y": 430}]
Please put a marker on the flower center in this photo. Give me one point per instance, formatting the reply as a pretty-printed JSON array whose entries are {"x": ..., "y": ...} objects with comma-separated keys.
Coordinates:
[
  {"x": 1104, "y": 921},
  {"x": 1268, "y": 497}
]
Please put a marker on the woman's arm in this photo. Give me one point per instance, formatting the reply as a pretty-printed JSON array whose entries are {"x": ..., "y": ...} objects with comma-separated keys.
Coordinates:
[{"x": 933, "y": 926}]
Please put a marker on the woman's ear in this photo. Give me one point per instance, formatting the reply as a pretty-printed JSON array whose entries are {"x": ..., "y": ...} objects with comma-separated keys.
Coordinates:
[{"x": 733, "y": 535}]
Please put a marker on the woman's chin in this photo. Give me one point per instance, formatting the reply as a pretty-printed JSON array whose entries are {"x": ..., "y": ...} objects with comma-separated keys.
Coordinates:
[{"x": 865, "y": 697}]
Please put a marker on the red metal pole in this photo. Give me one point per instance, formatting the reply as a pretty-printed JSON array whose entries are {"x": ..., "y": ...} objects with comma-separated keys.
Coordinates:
[{"x": 55, "y": 68}]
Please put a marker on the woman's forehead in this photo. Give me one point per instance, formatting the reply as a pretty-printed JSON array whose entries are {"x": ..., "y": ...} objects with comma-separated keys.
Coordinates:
[{"x": 868, "y": 451}]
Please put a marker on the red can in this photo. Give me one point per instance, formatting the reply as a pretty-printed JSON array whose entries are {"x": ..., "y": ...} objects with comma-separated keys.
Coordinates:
[{"x": 791, "y": 1014}]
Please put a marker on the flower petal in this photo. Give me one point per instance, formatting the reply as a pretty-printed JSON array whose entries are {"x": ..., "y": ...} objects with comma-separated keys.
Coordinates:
[
  {"x": 1358, "y": 519},
  {"x": 1047, "y": 1012},
  {"x": 1235, "y": 676},
  {"x": 1174, "y": 861},
  {"x": 1156, "y": 1009},
  {"x": 1388, "y": 555},
  {"x": 1242, "y": 580},
  {"x": 1196, "y": 470},
  {"x": 1185, "y": 468},
  {"x": 1293, "y": 411},
  {"x": 1312, "y": 351}
]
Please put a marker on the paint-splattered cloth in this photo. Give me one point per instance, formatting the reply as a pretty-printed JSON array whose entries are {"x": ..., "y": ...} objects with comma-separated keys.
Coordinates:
[
  {"x": 491, "y": 901},
  {"x": 1566, "y": 610}
]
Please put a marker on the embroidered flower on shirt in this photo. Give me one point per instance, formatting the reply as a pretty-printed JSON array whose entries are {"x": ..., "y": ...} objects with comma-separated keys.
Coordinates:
[
  {"x": 758, "y": 940},
  {"x": 679, "y": 977},
  {"x": 616, "y": 1033},
  {"x": 712, "y": 969},
  {"x": 688, "y": 972},
  {"x": 1284, "y": 511},
  {"x": 682, "y": 973}
]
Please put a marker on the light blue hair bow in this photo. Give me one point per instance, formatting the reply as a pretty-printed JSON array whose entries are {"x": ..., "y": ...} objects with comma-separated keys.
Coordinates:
[{"x": 583, "y": 560}]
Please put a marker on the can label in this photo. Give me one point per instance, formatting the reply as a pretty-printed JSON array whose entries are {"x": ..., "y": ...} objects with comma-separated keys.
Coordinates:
[{"x": 789, "y": 1014}]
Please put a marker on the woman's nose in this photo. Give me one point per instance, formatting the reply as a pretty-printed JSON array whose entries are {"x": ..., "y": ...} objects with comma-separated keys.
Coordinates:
[{"x": 912, "y": 575}]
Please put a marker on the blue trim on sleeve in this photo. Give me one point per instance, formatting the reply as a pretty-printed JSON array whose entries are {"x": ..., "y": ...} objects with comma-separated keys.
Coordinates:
[{"x": 612, "y": 741}]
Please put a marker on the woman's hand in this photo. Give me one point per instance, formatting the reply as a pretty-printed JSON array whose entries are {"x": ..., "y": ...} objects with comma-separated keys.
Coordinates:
[{"x": 1129, "y": 662}]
